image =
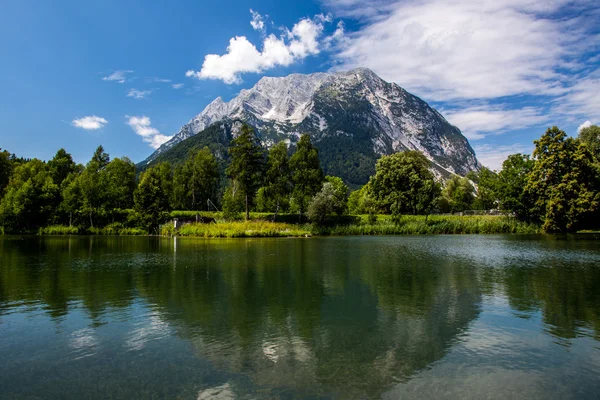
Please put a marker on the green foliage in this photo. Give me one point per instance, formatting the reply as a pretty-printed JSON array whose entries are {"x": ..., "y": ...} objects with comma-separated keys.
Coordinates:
[
  {"x": 61, "y": 166},
  {"x": 233, "y": 203},
  {"x": 242, "y": 229},
  {"x": 591, "y": 137},
  {"x": 6, "y": 168},
  {"x": 564, "y": 183},
  {"x": 430, "y": 225},
  {"x": 274, "y": 196},
  {"x": 58, "y": 230},
  {"x": 246, "y": 165},
  {"x": 120, "y": 183},
  {"x": 31, "y": 197},
  {"x": 196, "y": 181},
  {"x": 487, "y": 189},
  {"x": 459, "y": 194},
  {"x": 511, "y": 182},
  {"x": 152, "y": 197},
  {"x": 329, "y": 200},
  {"x": 403, "y": 184},
  {"x": 307, "y": 174}
]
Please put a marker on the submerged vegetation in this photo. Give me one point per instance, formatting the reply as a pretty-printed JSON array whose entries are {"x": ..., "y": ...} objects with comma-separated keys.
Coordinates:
[{"x": 281, "y": 194}]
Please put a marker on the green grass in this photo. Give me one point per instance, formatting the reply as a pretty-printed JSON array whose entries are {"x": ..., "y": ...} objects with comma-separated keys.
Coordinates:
[
  {"x": 58, "y": 230},
  {"x": 117, "y": 229},
  {"x": 241, "y": 229},
  {"x": 435, "y": 224},
  {"x": 261, "y": 226},
  {"x": 112, "y": 229}
]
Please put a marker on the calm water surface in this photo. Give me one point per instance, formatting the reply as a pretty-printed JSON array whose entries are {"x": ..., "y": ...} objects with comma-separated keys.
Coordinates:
[{"x": 345, "y": 318}]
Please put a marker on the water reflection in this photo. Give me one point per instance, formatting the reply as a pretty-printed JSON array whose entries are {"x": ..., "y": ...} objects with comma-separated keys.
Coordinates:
[{"x": 332, "y": 317}]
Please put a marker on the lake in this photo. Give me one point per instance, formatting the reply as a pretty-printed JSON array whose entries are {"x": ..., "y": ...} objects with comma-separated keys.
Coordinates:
[{"x": 412, "y": 317}]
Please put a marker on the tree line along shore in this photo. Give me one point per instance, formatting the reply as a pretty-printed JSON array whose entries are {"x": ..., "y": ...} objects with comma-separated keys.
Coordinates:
[{"x": 258, "y": 193}]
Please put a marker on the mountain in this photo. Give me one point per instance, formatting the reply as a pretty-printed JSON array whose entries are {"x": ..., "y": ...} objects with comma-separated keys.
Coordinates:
[{"x": 353, "y": 117}]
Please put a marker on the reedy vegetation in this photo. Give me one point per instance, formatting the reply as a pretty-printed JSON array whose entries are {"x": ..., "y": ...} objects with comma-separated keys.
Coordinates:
[{"x": 558, "y": 189}]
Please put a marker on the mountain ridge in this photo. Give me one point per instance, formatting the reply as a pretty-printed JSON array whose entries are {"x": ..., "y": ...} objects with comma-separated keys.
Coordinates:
[{"x": 353, "y": 117}]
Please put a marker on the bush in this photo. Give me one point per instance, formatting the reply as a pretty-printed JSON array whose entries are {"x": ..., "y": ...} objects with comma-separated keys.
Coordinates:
[
  {"x": 58, "y": 230},
  {"x": 233, "y": 205}
]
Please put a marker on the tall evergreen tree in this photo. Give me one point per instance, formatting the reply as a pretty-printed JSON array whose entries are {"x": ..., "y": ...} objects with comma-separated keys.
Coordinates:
[
  {"x": 196, "y": 181},
  {"x": 61, "y": 166},
  {"x": 247, "y": 164},
  {"x": 278, "y": 185},
  {"x": 307, "y": 175}
]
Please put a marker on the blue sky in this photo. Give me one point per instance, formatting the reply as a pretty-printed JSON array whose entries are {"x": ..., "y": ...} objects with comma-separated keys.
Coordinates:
[{"x": 128, "y": 74}]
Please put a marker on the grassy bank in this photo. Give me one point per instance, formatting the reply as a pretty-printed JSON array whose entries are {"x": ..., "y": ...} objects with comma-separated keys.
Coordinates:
[
  {"x": 359, "y": 225},
  {"x": 261, "y": 226},
  {"x": 432, "y": 225},
  {"x": 113, "y": 229},
  {"x": 239, "y": 229}
]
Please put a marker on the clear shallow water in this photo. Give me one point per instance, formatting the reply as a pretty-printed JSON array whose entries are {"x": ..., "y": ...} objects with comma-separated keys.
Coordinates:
[{"x": 355, "y": 317}]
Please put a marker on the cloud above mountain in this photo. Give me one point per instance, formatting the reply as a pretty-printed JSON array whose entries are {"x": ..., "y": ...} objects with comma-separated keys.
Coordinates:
[
  {"x": 306, "y": 38},
  {"x": 492, "y": 67}
]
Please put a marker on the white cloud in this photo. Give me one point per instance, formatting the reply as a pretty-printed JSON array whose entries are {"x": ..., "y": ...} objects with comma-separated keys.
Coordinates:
[
  {"x": 160, "y": 80},
  {"x": 477, "y": 121},
  {"x": 492, "y": 156},
  {"x": 243, "y": 57},
  {"x": 258, "y": 23},
  {"x": 582, "y": 99},
  {"x": 91, "y": 122},
  {"x": 142, "y": 126},
  {"x": 118, "y": 76},
  {"x": 138, "y": 94},
  {"x": 586, "y": 124},
  {"x": 465, "y": 49},
  {"x": 177, "y": 85}
]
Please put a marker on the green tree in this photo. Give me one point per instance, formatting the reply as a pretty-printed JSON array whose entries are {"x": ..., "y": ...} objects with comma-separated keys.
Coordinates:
[
  {"x": 552, "y": 156},
  {"x": 246, "y": 166},
  {"x": 487, "y": 189},
  {"x": 61, "y": 166},
  {"x": 459, "y": 193},
  {"x": 120, "y": 183},
  {"x": 591, "y": 137},
  {"x": 31, "y": 197},
  {"x": 5, "y": 170},
  {"x": 574, "y": 203},
  {"x": 307, "y": 175},
  {"x": 71, "y": 204},
  {"x": 278, "y": 183},
  {"x": 152, "y": 197},
  {"x": 94, "y": 184},
  {"x": 196, "y": 181},
  {"x": 323, "y": 204},
  {"x": 360, "y": 202},
  {"x": 403, "y": 184},
  {"x": 340, "y": 190},
  {"x": 511, "y": 182}
]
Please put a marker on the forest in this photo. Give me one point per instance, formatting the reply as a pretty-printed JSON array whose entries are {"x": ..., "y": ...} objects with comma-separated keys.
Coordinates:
[{"x": 557, "y": 189}]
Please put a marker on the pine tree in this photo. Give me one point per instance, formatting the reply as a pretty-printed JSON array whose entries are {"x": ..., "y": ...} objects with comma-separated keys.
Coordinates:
[
  {"x": 307, "y": 175},
  {"x": 246, "y": 167}
]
